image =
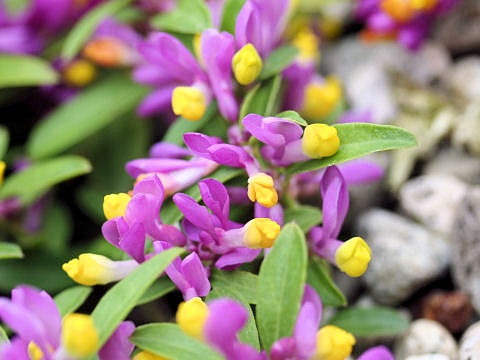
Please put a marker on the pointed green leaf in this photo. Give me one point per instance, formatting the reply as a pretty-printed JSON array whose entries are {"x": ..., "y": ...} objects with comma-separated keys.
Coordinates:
[
  {"x": 87, "y": 113},
  {"x": 359, "y": 139},
  {"x": 370, "y": 321},
  {"x": 87, "y": 25},
  {"x": 189, "y": 17},
  {"x": 262, "y": 100},
  {"x": 249, "y": 333},
  {"x": 230, "y": 13},
  {"x": 241, "y": 282},
  {"x": 3, "y": 336},
  {"x": 71, "y": 299},
  {"x": 292, "y": 116},
  {"x": 117, "y": 303},
  {"x": 319, "y": 278},
  {"x": 23, "y": 70},
  {"x": 181, "y": 126},
  {"x": 278, "y": 61},
  {"x": 280, "y": 285},
  {"x": 305, "y": 216},
  {"x": 4, "y": 138},
  {"x": 170, "y": 214},
  {"x": 158, "y": 289},
  {"x": 42, "y": 175},
  {"x": 10, "y": 251},
  {"x": 169, "y": 341}
]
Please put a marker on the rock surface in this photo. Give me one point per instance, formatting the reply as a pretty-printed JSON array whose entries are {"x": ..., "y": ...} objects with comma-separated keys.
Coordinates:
[
  {"x": 433, "y": 200},
  {"x": 466, "y": 246},
  {"x": 426, "y": 337},
  {"x": 405, "y": 255},
  {"x": 470, "y": 343},
  {"x": 456, "y": 163},
  {"x": 428, "y": 357}
]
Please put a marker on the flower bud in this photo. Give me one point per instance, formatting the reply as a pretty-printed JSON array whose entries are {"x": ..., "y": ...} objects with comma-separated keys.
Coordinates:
[
  {"x": 189, "y": 102},
  {"x": 353, "y": 256},
  {"x": 400, "y": 10},
  {"x": 34, "y": 351},
  {"x": 191, "y": 317},
  {"x": 79, "y": 73},
  {"x": 333, "y": 343},
  {"x": 307, "y": 44},
  {"x": 79, "y": 336},
  {"x": 107, "y": 52},
  {"x": 2, "y": 171},
  {"x": 320, "y": 140},
  {"x": 261, "y": 188},
  {"x": 145, "y": 355},
  {"x": 261, "y": 233},
  {"x": 246, "y": 64},
  {"x": 320, "y": 99},
  {"x": 423, "y": 5},
  {"x": 114, "y": 205}
]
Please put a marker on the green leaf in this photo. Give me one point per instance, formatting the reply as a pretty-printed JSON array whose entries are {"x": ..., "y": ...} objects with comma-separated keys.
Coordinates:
[
  {"x": 3, "y": 336},
  {"x": 87, "y": 113},
  {"x": 247, "y": 102},
  {"x": 359, "y": 139},
  {"x": 241, "y": 282},
  {"x": 169, "y": 341},
  {"x": 278, "y": 60},
  {"x": 181, "y": 126},
  {"x": 370, "y": 321},
  {"x": 292, "y": 116},
  {"x": 23, "y": 70},
  {"x": 170, "y": 214},
  {"x": 249, "y": 333},
  {"x": 4, "y": 137},
  {"x": 57, "y": 229},
  {"x": 305, "y": 216},
  {"x": 87, "y": 25},
  {"x": 42, "y": 175},
  {"x": 117, "y": 303},
  {"x": 158, "y": 289},
  {"x": 71, "y": 299},
  {"x": 264, "y": 99},
  {"x": 319, "y": 278},
  {"x": 230, "y": 13},
  {"x": 189, "y": 17},
  {"x": 280, "y": 285},
  {"x": 10, "y": 251}
]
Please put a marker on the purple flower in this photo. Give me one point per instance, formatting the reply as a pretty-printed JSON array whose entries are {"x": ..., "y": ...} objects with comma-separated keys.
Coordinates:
[
  {"x": 377, "y": 353},
  {"x": 34, "y": 317},
  {"x": 351, "y": 256},
  {"x": 166, "y": 161},
  {"x": 213, "y": 236}
]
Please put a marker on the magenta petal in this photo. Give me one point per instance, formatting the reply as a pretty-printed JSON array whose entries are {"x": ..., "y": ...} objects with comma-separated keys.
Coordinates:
[
  {"x": 17, "y": 349},
  {"x": 248, "y": 28},
  {"x": 150, "y": 185},
  {"x": 195, "y": 274},
  {"x": 308, "y": 321},
  {"x": 167, "y": 150},
  {"x": 360, "y": 171},
  {"x": 43, "y": 307},
  {"x": 226, "y": 318},
  {"x": 172, "y": 235},
  {"x": 145, "y": 208},
  {"x": 196, "y": 214},
  {"x": 133, "y": 242},
  {"x": 230, "y": 155},
  {"x": 335, "y": 201},
  {"x": 113, "y": 230},
  {"x": 155, "y": 165},
  {"x": 200, "y": 143},
  {"x": 174, "y": 270},
  {"x": 118, "y": 347},
  {"x": 156, "y": 102},
  {"x": 215, "y": 196},
  {"x": 236, "y": 257},
  {"x": 377, "y": 353},
  {"x": 284, "y": 349},
  {"x": 275, "y": 213}
]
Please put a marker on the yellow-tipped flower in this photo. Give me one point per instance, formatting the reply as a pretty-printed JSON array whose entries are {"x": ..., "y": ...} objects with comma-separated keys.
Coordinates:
[
  {"x": 400, "y": 10},
  {"x": 145, "y": 355},
  {"x": 261, "y": 188},
  {"x": 79, "y": 73},
  {"x": 353, "y": 256},
  {"x": 261, "y": 233},
  {"x": 191, "y": 317},
  {"x": 423, "y": 5},
  {"x": 91, "y": 269},
  {"x": 79, "y": 335},
  {"x": 333, "y": 343},
  {"x": 320, "y": 99},
  {"x": 189, "y": 102},
  {"x": 320, "y": 140},
  {"x": 115, "y": 204},
  {"x": 34, "y": 351},
  {"x": 247, "y": 64},
  {"x": 307, "y": 43},
  {"x": 2, "y": 171}
]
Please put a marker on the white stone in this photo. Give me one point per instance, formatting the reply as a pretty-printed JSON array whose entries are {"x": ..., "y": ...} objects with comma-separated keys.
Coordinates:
[
  {"x": 470, "y": 343},
  {"x": 405, "y": 255},
  {"x": 456, "y": 163},
  {"x": 464, "y": 77},
  {"x": 433, "y": 200},
  {"x": 428, "y": 357},
  {"x": 426, "y": 337}
]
